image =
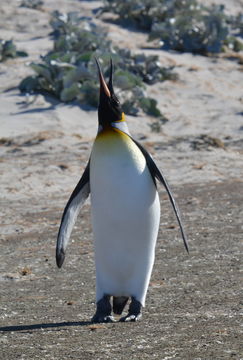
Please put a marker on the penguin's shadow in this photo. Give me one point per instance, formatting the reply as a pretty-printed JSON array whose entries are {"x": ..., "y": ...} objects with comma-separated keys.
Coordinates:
[{"x": 43, "y": 326}]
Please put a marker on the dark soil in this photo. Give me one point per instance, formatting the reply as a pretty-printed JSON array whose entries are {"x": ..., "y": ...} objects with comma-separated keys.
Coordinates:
[{"x": 193, "y": 303}]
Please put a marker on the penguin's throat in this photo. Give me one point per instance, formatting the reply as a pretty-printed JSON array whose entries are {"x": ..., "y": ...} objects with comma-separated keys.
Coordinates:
[
  {"x": 107, "y": 131},
  {"x": 107, "y": 127},
  {"x": 107, "y": 123}
]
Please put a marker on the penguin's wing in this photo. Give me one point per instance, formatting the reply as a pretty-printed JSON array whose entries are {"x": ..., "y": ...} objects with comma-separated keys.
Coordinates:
[
  {"x": 70, "y": 213},
  {"x": 156, "y": 174}
]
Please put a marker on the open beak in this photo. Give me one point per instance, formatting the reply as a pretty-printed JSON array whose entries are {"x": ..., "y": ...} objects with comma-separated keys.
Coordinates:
[
  {"x": 103, "y": 86},
  {"x": 110, "y": 83}
]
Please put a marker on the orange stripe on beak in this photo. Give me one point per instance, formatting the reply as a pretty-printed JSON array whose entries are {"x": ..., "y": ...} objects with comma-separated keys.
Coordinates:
[{"x": 103, "y": 85}]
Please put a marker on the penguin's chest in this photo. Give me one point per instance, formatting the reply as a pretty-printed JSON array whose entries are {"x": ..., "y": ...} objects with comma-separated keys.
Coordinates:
[
  {"x": 124, "y": 199},
  {"x": 119, "y": 177}
]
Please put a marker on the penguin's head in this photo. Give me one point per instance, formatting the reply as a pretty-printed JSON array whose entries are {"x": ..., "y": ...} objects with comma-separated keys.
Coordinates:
[{"x": 109, "y": 110}]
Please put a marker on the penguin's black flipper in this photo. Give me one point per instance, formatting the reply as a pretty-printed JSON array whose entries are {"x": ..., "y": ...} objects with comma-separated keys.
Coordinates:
[
  {"x": 156, "y": 174},
  {"x": 70, "y": 213}
]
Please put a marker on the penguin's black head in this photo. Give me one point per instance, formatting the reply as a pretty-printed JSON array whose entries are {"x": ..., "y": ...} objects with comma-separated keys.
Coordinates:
[{"x": 109, "y": 109}]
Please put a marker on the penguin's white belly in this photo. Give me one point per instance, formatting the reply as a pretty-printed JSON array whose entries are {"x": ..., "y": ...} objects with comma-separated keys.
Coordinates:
[{"x": 125, "y": 216}]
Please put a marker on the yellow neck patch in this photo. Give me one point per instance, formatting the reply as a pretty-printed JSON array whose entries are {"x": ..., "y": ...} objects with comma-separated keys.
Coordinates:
[
  {"x": 111, "y": 131},
  {"x": 109, "y": 127},
  {"x": 122, "y": 118}
]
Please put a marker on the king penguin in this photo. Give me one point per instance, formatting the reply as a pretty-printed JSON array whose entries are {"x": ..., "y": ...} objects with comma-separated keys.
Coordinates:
[{"x": 121, "y": 178}]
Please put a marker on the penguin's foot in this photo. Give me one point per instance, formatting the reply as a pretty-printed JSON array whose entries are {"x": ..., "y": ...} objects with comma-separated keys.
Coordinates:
[
  {"x": 131, "y": 318},
  {"x": 102, "y": 319},
  {"x": 134, "y": 312},
  {"x": 103, "y": 311}
]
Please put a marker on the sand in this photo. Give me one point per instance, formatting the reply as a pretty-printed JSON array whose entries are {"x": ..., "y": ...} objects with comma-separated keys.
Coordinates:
[{"x": 193, "y": 302}]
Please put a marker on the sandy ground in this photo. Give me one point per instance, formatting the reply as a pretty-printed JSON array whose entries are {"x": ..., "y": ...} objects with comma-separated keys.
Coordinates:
[{"x": 193, "y": 304}]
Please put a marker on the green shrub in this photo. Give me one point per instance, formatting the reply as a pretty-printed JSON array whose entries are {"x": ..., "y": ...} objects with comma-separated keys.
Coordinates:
[
  {"x": 179, "y": 25},
  {"x": 193, "y": 29},
  {"x": 32, "y": 4},
  {"x": 69, "y": 71},
  {"x": 9, "y": 50}
]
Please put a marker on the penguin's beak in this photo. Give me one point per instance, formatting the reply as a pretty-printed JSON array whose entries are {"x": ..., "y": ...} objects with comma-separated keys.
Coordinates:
[
  {"x": 103, "y": 86},
  {"x": 109, "y": 109}
]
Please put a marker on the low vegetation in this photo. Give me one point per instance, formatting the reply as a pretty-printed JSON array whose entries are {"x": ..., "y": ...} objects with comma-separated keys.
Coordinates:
[
  {"x": 9, "y": 50},
  {"x": 69, "y": 72},
  {"x": 186, "y": 26},
  {"x": 32, "y": 4}
]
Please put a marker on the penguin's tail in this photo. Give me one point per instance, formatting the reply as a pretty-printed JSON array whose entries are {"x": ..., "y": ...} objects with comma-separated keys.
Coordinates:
[{"x": 119, "y": 302}]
